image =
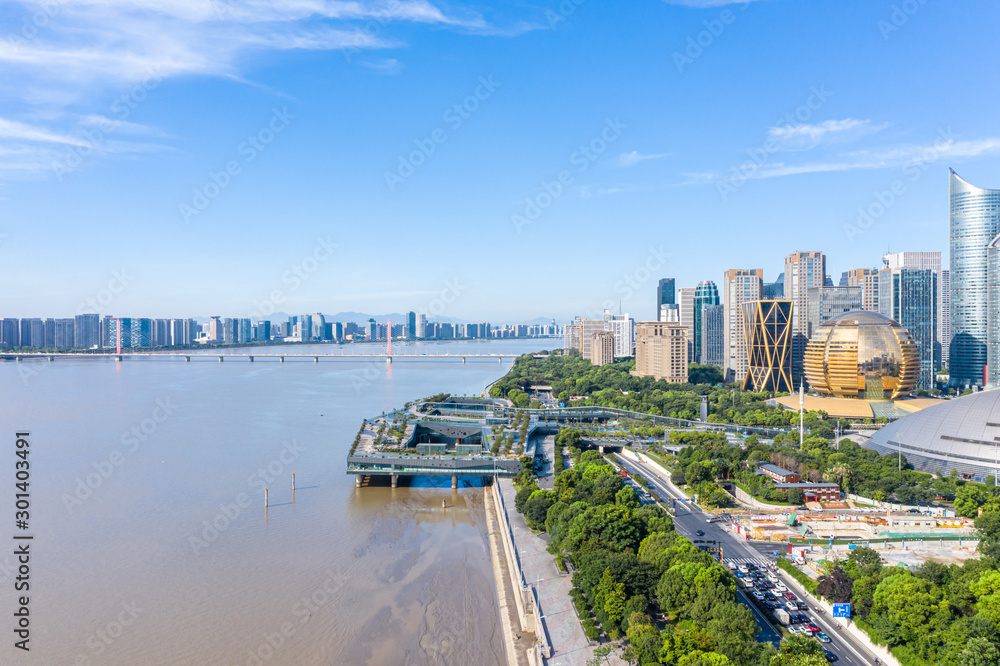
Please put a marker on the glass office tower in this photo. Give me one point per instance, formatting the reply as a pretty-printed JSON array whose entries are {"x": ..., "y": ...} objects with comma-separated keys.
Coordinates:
[
  {"x": 705, "y": 294},
  {"x": 975, "y": 222}
]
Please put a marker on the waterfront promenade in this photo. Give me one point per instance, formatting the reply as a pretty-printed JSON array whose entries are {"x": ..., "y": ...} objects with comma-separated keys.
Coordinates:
[{"x": 570, "y": 646}]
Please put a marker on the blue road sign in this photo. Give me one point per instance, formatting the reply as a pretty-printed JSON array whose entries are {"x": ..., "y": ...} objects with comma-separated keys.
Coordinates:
[{"x": 842, "y": 610}]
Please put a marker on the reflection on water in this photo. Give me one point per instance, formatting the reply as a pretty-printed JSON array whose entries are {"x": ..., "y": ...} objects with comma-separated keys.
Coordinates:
[{"x": 151, "y": 539}]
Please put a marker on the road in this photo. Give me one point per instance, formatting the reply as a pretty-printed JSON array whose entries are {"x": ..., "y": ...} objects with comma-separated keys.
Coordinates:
[{"x": 689, "y": 518}]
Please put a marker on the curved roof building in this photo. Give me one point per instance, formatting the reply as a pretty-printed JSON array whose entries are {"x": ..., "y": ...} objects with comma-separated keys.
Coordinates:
[
  {"x": 959, "y": 434},
  {"x": 862, "y": 354}
]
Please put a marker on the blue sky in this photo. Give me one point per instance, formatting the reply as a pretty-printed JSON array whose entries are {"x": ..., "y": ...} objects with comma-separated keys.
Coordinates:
[{"x": 477, "y": 160}]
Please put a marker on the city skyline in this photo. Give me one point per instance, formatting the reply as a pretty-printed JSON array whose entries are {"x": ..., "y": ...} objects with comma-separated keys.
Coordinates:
[{"x": 281, "y": 137}]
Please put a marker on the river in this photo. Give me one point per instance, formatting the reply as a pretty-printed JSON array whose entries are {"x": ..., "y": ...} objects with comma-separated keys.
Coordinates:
[{"x": 151, "y": 542}]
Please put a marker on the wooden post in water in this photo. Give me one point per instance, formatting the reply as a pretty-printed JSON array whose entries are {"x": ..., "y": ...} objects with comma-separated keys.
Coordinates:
[
  {"x": 265, "y": 497},
  {"x": 293, "y": 486}
]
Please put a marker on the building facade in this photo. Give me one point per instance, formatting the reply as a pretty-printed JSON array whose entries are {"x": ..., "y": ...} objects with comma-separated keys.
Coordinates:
[
  {"x": 713, "y": 335},
  {"x": 974, "y": 223},
  {"x": 602, "y": 348},
  {"x": 705, "y": 294},
  {"x": 768, "y": 332},
  {"x": 910, "y": 297},
  {"x": 803, "y": 271},
  {"x": 685, "y": 305},
  {"x": 623, "y": 328},
  {"x": 739, "y": 286},
  {"x": 661, "y": 351},
  {"x": 665, "y": 295},
  {"x": 825, "y": 303},
  {"x": 867, "y": 279}
]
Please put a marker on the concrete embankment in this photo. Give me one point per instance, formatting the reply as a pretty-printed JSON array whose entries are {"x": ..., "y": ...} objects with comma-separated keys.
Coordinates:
[{"x": 511, "y": 605}]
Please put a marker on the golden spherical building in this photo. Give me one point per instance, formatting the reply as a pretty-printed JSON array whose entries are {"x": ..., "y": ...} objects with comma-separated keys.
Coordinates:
[{"x": 862, "y": 354}]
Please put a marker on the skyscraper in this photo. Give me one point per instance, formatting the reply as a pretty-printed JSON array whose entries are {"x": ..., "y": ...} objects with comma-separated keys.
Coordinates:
[
  {"x": 768, "y": 334},
  {"x": 705, "y": 294},
  {"x": 421, "y": 327},
  {"x": 664, "y": 296},
  {"x": 661, "y": 351},
  {"x": 910, "y": 296},
  {"x": 867, "y": 279},
  {"x": 825, "y": 303},
  {"x": 739, "y": 286},
  {"x": 803, "y": 271},
  {"x": 87, "y": 331},
  {"x": 685, "y": 304},
  {"x": 974, "y": 223},
  {"x": 944, "y": 316},
  {"x": 623, "y": 328},
  {"x": 64, "y": 334},
  {"x": 713, "y": 331},
  {"x": 10, "y": 333},
  {"x": 411, "y": 324}
]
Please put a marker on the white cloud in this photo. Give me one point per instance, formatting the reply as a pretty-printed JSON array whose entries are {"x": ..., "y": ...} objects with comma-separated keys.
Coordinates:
[
  {"x": 633, "y": 158},
  {"x": 808, "y": 136},
  {"x": 11, "y": 129},
  {"x": 706, "y": 4},
  {"x": 384, "y": 65}
]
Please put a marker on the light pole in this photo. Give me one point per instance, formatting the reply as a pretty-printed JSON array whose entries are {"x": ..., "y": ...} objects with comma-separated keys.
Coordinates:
[{"x": 802, "y": 412}]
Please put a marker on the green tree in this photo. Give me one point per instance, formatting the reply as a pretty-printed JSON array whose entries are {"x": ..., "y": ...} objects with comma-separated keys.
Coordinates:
[
  {"x": 627, "y": 498},
  {"x": 904, "y": 607},
  {"x": 979, "y": 652}
]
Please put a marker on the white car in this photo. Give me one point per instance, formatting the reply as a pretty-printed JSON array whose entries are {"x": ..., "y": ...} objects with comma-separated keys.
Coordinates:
[{"x": 780, "y": 587}]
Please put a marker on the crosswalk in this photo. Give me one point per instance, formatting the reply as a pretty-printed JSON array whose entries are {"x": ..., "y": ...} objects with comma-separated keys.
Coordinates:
[{"x": 758, "y": 562}]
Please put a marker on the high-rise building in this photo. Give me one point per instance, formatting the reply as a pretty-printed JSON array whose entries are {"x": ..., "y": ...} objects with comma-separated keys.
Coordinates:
[
  {"x": 421, "y": 327},
  {"x": 411, "y": 324},
  {"x": 944, "y": 316},
  {"x": 929, "y": 261},
  {"x": 974, "y": 223},
  {"x": 623, "y": 328},
  {"x": 215, "y": 329},
  {"x": 993, "y": 319},
  {"x": 64, "y": 338},
  {"x": 602, "y": 348},
  {"x": 10, "y": 333},
  {"x": 580, "y": 333},
  {"x": 705, "y": 294},
  {"x": 229, "y": 331},
  {"x": 739, "y": 286},
  {"x": 32, "y": 332},
  {"x": 774, "y": 290},
  {"x": 768, "y": 332},
  {"x": 825, "y": 303},
  {"x": 685, "y": 305},
  {"x": 713, "y": 334},
  {"x": 910, "y": 296},
  {"x": 87, "y": 331},
  {"x": 867, "y": 279},
  {"x": 49, "y": 333},
  {"x": 661, "y": 351},
  {"x": 664, "y": 296},
  {"x": 803, "y": 271},
  {"x": 371, "y": 332}
]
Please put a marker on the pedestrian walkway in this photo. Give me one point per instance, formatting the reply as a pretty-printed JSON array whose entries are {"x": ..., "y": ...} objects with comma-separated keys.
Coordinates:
[{"x": 570, "y": 646}]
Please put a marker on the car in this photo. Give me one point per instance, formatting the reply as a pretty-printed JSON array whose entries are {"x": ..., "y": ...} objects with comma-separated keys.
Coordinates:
[
  {"x": 830, "y": 657},
  {"x": 821, "y": 637},
  {"x": 791, "y": 607},
  {"x": 793, "y": 629},
  {"x": 790, "y": 596},
  {"x": 812, "y": 627},
  {"x": 758, "y": 596},
  {"x": 739, "y": 574},
  {"x": 731, "y": 564},
  {"x": 802, "y": 605},
  {"x": 700, "y": 533},
  {"x": 779, "y": 586}
]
